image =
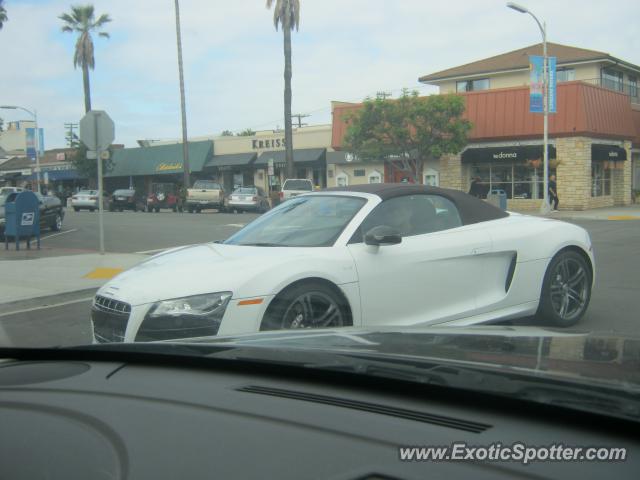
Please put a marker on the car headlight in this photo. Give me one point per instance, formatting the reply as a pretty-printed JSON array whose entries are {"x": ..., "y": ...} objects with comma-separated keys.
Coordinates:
[{"x": 196, "y": 316}]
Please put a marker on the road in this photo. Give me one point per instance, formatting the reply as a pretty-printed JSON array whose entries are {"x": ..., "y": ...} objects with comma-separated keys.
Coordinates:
[{"x": 614, "y": 305}]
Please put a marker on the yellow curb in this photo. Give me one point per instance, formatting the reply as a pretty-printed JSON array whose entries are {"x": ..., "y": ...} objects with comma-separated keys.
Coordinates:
[
  {"x": 623, "y": 217},
  {"x": 105, "y": 273}
]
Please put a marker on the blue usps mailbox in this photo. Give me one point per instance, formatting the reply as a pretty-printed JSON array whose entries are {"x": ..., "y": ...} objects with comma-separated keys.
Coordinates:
[{"x": 22, "y": 218}]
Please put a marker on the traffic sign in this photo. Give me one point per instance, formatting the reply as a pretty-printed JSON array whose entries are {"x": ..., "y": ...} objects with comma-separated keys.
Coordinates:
[{"x": 97, "y": 130}]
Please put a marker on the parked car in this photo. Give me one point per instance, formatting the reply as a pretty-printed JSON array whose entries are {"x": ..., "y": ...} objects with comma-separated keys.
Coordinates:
[
  {"x": 125, "y": 199},
  {"x": 8, "y": 190},
  {"x": 246, "y": 199},
  {"x": 205, "y": 194},
  {"x": 164, "y": 195},
  {"x": 366, "y": 255},
  {"x": 293, "y": 187},
  {"x": 85, "y": 200},
  {"x": 51, "y": 211}
]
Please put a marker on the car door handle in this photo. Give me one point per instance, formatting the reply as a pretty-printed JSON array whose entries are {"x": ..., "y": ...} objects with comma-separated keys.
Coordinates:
[{"x": 480, "y": 250}]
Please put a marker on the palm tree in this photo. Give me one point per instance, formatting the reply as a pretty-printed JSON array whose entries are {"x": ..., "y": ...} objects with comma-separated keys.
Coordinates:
[
  {"x": 287, "y": 14},
  {"x": 3, "y": 14},
  {"x": 82, "y": 20}
]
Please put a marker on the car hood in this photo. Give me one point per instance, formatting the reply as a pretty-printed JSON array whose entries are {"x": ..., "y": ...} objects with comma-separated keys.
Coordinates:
[
  {"x": 594, "y": 358},
  {"x": 197, "y": 269}
]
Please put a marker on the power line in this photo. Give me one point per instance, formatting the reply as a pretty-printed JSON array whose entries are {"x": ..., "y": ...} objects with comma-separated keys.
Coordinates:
[
  {"x": 300, "y": 116},
  {"x": 71, "y": 137}
]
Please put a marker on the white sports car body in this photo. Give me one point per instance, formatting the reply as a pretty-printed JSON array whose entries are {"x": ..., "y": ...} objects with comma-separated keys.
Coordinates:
[{"x": 372, "y": 255}]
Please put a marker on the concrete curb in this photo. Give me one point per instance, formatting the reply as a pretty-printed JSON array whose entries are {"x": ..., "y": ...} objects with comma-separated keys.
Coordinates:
[{"x": 8, "y": 308}]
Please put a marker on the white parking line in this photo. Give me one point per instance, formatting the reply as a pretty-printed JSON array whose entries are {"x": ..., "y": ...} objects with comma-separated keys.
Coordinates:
[
  {"x": 42, "y": 307},
  {"x": 59, "y": 233},
  {"x": 237, "y": 225}
]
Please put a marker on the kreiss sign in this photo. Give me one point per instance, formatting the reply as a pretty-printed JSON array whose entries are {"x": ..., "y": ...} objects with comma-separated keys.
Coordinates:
[{"x": 257, "y": 144}]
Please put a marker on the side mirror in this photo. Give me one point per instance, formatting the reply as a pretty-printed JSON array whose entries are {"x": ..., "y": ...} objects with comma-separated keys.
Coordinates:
[{"x": 382, "y": 235}]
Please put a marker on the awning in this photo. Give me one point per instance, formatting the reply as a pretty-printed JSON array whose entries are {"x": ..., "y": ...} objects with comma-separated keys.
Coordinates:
[
  {"x": 57, "y": 175},
  {"x": 607, "y": 152},
  {"x": 496, "y": 154},
  {"x": 224, "y": 162},
  {"x": 159, "y": 159},
  {"x": 300, "y": 156}
]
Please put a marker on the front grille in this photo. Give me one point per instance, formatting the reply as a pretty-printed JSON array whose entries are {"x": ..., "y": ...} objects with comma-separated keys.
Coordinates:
[{"x": 109, "y": 319}]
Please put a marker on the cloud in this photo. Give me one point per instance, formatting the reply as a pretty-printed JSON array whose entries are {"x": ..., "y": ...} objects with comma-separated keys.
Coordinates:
[{"x": 345, "y": 50}]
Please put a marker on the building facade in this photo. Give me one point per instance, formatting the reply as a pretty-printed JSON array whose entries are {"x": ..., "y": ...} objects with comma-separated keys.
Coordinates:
[{"x": 594, "y": 136}]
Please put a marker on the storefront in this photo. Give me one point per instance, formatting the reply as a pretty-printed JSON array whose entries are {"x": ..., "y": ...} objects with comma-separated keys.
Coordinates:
[
  {"x": 232, "y": 170},
  {"x": 310, "y": 163}
]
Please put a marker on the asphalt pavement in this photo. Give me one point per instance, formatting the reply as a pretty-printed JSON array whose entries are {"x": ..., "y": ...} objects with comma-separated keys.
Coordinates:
[{"x": 64, "y": 320}]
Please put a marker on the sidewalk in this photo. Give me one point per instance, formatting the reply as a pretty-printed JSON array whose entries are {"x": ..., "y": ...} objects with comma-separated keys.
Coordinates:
[
  {"x": 50, "y": 276},
  {"x": 629, "y": 212}
]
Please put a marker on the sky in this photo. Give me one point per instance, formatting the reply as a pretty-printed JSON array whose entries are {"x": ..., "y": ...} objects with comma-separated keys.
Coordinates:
[{"x": 233, "y": 57}]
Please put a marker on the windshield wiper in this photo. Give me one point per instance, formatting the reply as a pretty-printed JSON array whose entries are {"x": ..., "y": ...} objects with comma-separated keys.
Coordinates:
[{"x": 261, "y": 244}]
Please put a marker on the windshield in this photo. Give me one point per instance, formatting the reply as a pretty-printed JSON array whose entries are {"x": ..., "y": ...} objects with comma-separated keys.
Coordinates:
[
  {"x": 246, "y": 191},
  {"x": 297, "y": 185},
  {"x": 312, "y": 221},
  {"x": 352, "y": 173},
  {"x": 205, "y": 185}
]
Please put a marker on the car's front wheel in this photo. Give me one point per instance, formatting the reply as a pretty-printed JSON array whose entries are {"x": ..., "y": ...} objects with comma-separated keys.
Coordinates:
[
  {"x": 56, "y": 226},
  {"x": 566, "y": 290},
  {"x": 307, "y": 305}
]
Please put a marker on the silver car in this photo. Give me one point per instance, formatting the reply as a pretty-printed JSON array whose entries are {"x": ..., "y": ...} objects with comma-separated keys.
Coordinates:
[
  {"x": 245, "y": 199},
  {"x": 85, "y": 199}
]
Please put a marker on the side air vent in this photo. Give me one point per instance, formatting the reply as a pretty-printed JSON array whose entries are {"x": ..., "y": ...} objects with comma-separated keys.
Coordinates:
[
  {"x": 442, "y": 421},
  {"x": 510, "y": 272}
]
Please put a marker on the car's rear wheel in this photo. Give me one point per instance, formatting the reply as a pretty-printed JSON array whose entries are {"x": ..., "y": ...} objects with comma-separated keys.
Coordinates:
[
  {"x": 56, "y": 226},
  {"x": 157, "y": 209},
  {"x": 307, "y": 305},
  {"x": 566, "y": 290},
  {"x": 76, "y": 209}
]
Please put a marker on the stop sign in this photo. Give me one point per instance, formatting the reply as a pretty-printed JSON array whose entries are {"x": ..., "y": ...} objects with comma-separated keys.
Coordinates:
[{"x": 97, "y": 130}]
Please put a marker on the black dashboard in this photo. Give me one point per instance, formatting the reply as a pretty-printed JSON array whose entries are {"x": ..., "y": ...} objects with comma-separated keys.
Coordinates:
[{"x": 102, "y": 419}]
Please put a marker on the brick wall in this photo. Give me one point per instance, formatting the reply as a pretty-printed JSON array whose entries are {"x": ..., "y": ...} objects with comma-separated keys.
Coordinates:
[
  {"x": 574, "y": 172},
  {"x": 451, "y": 173},
  {"x": 622, "y": 178}
]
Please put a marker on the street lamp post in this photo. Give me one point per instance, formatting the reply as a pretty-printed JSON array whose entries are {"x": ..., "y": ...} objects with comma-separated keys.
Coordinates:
[
  {"x": 545, "y": 207},
  {"x": 34, "y": 114}
]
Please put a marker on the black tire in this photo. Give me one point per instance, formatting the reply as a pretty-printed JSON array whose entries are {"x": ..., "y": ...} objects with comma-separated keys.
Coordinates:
[
  {"x": 190, "y": 210},
  {"x": 149, "y": 209},
  {"x": 157, "y": 209},
  {"x": 296, "y": 306},
  {"x": 92, "y": 209},
  {"x": 76, "y": 209},
  {"x": 566, "y": 290},
  {"x": 56, "y": 226},
  {"x": 198, "y": 210},
  {"x": 120, "y": 209}
]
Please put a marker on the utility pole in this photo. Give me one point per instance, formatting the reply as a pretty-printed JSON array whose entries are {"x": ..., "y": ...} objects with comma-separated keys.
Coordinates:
[
  {"x": 185, "y": 144},
  {"x": 383, "y": 95},
  {"x": 300, "y": 116},
  {"x": 71, "y": 137}
]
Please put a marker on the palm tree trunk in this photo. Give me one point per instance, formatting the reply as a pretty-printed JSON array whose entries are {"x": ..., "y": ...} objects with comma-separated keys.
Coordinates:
[
  {"x": 288, "y": 133},
  {"x": 87, "y": 88}
]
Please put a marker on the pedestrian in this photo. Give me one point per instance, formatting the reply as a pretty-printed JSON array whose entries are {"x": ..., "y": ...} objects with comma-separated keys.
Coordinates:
[
  {"x": 475, "y": 190},
  {"x": 553, "y": 192}
]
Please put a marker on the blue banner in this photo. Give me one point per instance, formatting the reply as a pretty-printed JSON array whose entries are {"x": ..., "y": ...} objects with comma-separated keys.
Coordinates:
[
  {"x": 536, "y": 84},
  {"x": 552, "y": 84},
  {"x": 30, "y": 140}
]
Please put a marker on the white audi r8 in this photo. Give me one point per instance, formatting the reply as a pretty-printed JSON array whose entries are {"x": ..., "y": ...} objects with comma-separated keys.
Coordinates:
[{"x": 370, "y": 255}]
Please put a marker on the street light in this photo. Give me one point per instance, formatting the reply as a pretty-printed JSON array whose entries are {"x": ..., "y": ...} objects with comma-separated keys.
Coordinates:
[
  {"x": 545, "y": 208},
  {"x": 34, "y": 114}
]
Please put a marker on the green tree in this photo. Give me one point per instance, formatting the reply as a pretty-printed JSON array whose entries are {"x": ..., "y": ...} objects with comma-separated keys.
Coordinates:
[
  {"x": 89, "y": 167},
  {"x": 287, "y": 14},
  {"x": 227, "y": 133},
  {"x": 1, "y": 124},
  {"x": 407, "y": 131},
  {"x": 3, "y": 14},
  {"x": 247, "y": 132},
  {"x": 82, "y": 20}
]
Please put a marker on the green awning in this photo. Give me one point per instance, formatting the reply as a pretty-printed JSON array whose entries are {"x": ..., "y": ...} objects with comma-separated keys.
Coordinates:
[
  {"x": 159, "y": 160},
  {"x": 302, "y": 155},
  {"x": 231, "y": 160}
]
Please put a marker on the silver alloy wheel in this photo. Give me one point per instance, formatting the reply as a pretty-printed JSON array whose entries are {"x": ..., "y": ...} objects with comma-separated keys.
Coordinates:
[
  {"x": 569, "y": 289},
  {"x": 58, "y": 222},
  {"x": 313, "y": 310}
]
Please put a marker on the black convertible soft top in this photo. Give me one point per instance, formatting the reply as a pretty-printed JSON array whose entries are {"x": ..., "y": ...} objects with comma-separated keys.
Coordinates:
[{"x": 471, "y": 209}]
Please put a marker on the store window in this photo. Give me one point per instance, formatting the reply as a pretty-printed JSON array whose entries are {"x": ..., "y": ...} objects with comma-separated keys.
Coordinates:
[
  {"x": 360, "y": 172},
  {"x": 375, "y": 177},
  {"x": 633, "y": 87},
  {"x": 519, "y": 180},
  {"x": 565, "y": 74},
  {"x": 600, "y": 178},
  {"x": 472, "y": 85},
  {"x": 342, "y": 179},
  {"x": 612, "y": 79},
  {"x": 431, "y": 177}
]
